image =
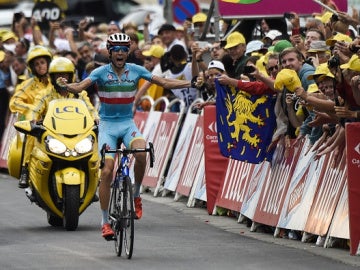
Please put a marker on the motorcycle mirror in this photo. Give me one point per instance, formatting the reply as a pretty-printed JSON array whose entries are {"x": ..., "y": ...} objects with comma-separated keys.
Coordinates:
[{"x": 29, "y": 128}]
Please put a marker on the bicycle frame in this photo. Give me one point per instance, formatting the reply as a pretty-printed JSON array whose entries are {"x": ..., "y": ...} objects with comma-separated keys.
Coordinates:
[{"x": 121, "y": 207}]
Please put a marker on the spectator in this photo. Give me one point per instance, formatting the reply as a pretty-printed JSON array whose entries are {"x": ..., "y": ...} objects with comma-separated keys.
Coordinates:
[
  {"x": 182, "y": 70},
  {"x": 271, "y": 36},
  {"x": 135, "y": 55},
  {"x": 4, "y": 94},
  {"x": 167, "y": 32},
  {"x": 22, "y": 47},
  {"x": 318, "y": 53},
  {"x": 236, "y": 47},
  {"x": 154, "y": 91}
]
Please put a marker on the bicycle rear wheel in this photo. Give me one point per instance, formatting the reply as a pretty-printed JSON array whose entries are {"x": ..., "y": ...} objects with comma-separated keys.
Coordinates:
[
  {"x": 115, "y": 216},
  {"x": 127, "y": 233}
]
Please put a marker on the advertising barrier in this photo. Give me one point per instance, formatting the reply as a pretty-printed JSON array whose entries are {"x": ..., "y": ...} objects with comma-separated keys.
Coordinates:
[
  {"x": 352, "y": 132},
  {"x": 296, "y": 191}
]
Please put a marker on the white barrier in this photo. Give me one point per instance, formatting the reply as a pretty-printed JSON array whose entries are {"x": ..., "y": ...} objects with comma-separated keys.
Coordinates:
[{"x": 297, "y": 192}]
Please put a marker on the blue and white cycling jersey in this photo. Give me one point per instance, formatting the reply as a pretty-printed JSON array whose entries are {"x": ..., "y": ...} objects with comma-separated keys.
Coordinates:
[{"x": 117, "y": 94}]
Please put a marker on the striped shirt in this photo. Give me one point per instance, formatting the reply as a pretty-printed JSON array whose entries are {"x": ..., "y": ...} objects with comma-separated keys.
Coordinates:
[{"x": 117, "y": 94}]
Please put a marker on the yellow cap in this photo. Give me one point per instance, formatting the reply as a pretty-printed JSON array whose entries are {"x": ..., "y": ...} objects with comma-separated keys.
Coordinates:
[
  {"x": 338, "y": 37},
  {"x": 8, "y": 35},
  {"x": 325, "y": 18},
  {"x": 155, "y": 50},
  {"x": 353, "y": 64},
  {"x": 2, "y": 56},
  {"x": 234, "y": 39},
  {"x": 199, "y": 17},
  {"x": 313, "y": 88},
  {"x": 322, "y": 69}
]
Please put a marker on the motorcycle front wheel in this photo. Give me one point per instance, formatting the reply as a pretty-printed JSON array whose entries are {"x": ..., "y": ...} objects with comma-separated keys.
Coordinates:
[
  {"x": 71, "y": 204},
  {"x": 54, "y": 221}
]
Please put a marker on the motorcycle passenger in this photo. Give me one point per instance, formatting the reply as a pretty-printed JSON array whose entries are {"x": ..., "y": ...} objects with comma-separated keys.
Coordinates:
[
  {"x": 59, "y": 67},
  {"x": 38, "y": 61},
  {"x": 117, "y": 86}
]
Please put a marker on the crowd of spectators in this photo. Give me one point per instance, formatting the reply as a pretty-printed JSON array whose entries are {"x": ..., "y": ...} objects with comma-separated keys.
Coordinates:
[{"x": 314, "y": 71}]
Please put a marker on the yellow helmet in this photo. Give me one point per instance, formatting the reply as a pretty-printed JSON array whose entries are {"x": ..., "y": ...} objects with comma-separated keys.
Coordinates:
[
  {"x": 38, "y": 51},
  {"x": 62, "y": 65}
]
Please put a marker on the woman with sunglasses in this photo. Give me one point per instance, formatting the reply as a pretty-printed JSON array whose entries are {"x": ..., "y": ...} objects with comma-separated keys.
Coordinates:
[{"x": 117, "y": 86}]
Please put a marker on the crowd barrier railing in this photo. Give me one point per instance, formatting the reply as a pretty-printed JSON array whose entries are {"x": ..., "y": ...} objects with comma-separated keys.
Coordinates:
[{"x": 295, "y": 191}]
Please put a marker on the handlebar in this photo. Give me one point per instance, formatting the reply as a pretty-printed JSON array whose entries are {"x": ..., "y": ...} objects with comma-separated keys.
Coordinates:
[{"x": 105, "y": 149}]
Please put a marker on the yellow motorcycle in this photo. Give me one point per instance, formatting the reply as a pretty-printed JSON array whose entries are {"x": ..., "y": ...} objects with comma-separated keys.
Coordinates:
[{"x": 63, "y": 166}]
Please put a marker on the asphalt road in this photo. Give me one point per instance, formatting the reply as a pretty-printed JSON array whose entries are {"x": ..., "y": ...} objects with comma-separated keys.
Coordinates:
[{"x": 169, "y": 236}]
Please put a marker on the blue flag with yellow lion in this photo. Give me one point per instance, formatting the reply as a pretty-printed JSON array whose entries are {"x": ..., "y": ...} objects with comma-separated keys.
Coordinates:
[{"x": 245, "y": 124}]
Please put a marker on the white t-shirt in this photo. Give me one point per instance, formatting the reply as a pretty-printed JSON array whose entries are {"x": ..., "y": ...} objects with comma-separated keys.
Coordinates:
[{"x": 188, "y": 95}]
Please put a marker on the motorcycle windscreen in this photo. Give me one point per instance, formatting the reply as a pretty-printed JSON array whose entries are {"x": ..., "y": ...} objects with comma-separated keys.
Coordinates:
[{"x": 68, "y": 117}]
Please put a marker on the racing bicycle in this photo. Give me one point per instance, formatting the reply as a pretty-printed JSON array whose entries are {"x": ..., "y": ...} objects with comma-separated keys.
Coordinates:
[{"x": 121, "y": 206}]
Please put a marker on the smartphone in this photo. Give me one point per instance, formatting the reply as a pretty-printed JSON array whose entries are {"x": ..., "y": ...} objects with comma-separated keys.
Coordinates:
[
  {"x": 248, "y": 69},
  {"x": 202, "y": 44}
]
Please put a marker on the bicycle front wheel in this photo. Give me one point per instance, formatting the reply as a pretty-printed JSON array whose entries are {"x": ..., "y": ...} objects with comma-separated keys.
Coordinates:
[
  {"x": 128, "y": 214},
  {"x": 115, "y": 216}
]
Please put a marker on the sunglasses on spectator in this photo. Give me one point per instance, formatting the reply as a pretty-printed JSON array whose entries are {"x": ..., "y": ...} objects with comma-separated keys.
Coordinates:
[
  {"x": 119, "y": 49},
  {"x": 272, "y": 68}
]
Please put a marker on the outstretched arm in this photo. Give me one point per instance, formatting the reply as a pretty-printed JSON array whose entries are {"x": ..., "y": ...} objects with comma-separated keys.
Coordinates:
[
  {"x": 74, "y": 87},
  {"x": 170, "y": 83}
]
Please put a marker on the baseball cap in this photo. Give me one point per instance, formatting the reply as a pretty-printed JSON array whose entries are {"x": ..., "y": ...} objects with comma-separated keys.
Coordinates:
[
  {"x": 282, "y": 45},
  {"x": 321, "y": 69},
  {"x": 199, "y": 17},
  {"x": 338, "y": 37},
  {"x": 155, "y": 50},
  {"x": 216, "y": 64},
  {"x": 166, "y": 27},
  {"x": 254, "y": 46},
  {"x": 2, "y": 56},
  {"x": 8, "y": 35},
  {"x": 272, "y": 34},
  {"x": 353, "y": 64},
  {"x": 325, "y": 18},
  {"x": 318, "y": 46},
  {"x": 234, "y": 39}
]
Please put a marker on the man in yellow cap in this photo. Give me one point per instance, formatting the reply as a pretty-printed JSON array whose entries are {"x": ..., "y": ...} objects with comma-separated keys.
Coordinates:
[
  {"x": 198, "y": 21},
  {"x": 236, "y": 48},
  {"x": 155, "y": 91}
]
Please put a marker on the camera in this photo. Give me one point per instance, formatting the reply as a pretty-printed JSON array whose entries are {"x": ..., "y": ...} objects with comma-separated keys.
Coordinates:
[
  {"x": 309, "y": 61},
  {"x": 248, "y": 69},
  {"x": 334, "y": 18},
  {"x": 334, "y": 62}
]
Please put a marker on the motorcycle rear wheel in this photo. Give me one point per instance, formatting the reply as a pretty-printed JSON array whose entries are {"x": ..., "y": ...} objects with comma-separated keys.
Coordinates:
[{"x": 71, "y": 204}]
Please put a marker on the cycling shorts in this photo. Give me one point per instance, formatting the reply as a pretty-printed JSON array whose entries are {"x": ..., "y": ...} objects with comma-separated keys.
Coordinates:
[{"x": 110, "y": 132}]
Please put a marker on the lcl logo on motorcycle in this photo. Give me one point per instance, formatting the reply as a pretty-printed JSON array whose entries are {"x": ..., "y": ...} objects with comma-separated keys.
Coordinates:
[{"x": 68, "y": 109}]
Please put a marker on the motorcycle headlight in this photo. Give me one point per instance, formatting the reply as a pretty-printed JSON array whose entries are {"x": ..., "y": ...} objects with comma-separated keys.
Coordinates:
[
  {"x": 84, "y": 146},
  {"x": 55, "y": 146}
]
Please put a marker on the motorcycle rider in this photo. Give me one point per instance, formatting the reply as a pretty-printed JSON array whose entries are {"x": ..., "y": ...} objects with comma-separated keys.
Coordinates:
[
  {"x": 38, "y": 61},
  {"x": 59, "y": 67},
  {"x": 117, "y": 86}
]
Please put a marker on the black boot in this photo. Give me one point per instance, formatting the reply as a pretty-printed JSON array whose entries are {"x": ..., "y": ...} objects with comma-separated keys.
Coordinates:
[{"x": 24, "y": 182}]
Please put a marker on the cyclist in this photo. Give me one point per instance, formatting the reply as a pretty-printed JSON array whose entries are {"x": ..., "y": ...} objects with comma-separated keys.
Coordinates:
[{"x": 117, "y": 85}]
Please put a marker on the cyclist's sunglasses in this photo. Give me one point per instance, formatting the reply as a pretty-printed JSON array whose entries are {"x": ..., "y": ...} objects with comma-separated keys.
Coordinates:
[{"x": 119, "y": 48}]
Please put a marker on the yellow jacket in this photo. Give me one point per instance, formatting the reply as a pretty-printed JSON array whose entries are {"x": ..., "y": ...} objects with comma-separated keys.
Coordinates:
[
  {"x": 23, "y": 99},
  {"x": 43, "y": 99}
]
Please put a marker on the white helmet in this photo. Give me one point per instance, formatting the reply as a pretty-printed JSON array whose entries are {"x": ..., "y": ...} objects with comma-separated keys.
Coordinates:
[{"x": 118, "y": 39}]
